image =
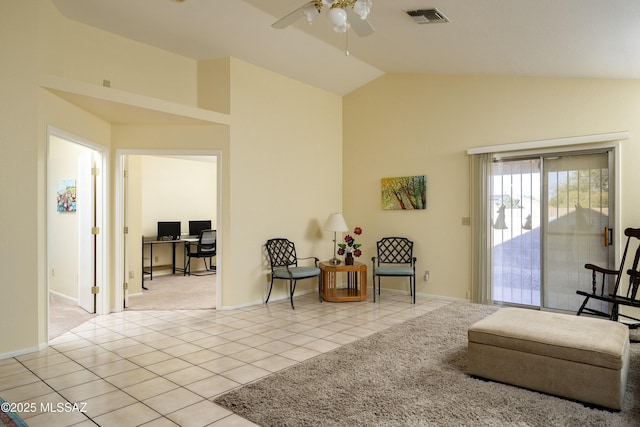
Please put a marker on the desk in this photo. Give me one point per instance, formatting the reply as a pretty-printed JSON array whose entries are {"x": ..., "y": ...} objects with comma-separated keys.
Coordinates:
[
  {"x": 356, "y": 289},
  {"x": 152, "y": 242}
]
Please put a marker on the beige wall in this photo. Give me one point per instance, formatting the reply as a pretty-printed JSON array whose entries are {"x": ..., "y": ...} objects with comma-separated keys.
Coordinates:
[
  {"x": 276, "y": 123},
  {"x": 177, "y": 189},
  {"x": 403, "y": 125},
  {"x": 21, "y": 173},
  {"x": 285, "y": 150},
  {"x": 214, "y": 85},
  {"x": 87, "y": 54}
]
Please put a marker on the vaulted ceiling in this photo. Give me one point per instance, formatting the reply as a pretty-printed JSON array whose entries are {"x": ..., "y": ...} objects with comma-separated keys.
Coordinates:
[{"x": 568, "y": 38}]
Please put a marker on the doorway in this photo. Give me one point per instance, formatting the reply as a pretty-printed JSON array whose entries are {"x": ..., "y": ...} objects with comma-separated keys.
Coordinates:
[
  {"x": 552, "y": 214},
  {"x": 75, "y": 229},
  {"x": 164, "y": 186}
]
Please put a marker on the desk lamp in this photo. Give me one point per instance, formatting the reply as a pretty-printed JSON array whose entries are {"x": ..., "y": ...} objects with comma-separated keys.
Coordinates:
[{"x": 335, "y": 223}]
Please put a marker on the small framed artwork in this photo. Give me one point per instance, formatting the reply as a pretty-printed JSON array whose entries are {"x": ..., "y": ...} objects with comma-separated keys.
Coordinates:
[
  {"x": 404, "y": 193},
  {"x": 66, "y": 195}
]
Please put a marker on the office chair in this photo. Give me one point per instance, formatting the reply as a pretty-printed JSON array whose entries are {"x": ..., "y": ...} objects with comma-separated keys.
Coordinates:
[{"x": 204, "y": 248}]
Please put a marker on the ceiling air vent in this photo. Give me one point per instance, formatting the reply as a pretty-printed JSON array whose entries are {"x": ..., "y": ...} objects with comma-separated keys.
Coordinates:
[{"x": 427, "y": 16}]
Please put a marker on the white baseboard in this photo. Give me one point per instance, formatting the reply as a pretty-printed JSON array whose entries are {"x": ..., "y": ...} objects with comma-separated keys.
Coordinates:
[
  {"x": 442, "y": 297},
  {"x": 420, "y": 294},
  {"x": 67, "y": 297},
  {"x": 272, "y": 298},
  {"x": 369, "y": 290},
  {"x": 23, "y": 351}
]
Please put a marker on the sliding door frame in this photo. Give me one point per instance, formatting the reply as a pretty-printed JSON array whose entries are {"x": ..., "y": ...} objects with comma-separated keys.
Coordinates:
[{"x": 481, "y": 285}]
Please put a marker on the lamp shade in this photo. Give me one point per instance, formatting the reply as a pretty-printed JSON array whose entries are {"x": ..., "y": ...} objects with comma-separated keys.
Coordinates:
[{"x": 335, "y": 222}]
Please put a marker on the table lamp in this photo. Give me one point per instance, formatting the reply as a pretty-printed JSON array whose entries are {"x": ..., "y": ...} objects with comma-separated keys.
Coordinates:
[{"x": 335, "y": 223}]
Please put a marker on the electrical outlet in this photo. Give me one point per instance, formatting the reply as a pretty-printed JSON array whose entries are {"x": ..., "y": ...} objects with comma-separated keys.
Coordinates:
[
  {"x": 131, "y": 274},
  {"x": 427, "y": 276},
  {"x": 156, "y": 259},
  {"x": 466, "y": 220}
]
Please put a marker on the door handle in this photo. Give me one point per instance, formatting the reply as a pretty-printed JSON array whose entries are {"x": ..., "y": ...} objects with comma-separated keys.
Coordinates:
[{"x": 608, "y": 236}]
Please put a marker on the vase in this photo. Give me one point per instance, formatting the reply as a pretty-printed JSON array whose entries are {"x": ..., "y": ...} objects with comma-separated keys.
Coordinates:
[{"x": 348, "y": 259}]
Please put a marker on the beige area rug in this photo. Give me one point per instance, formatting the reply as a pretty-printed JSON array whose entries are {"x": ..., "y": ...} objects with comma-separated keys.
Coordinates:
[
  {"x": 64, "y": 315},
  {"x": 176, "y": 292},
  {"x": 414, "y": 374}
]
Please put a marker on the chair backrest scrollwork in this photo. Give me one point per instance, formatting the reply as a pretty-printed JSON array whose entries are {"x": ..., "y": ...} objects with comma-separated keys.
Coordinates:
[
  {"x": 282, "y": 253},
  {"x": 395, "y": 250}
]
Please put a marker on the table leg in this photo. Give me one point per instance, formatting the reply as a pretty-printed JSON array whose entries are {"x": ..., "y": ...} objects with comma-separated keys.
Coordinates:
[
  {"x": 150, "y": 265},
  {"x": 363, "y": 285},
  {"x": 174, "y": 258},
  {"x": 142, "y": 260}
]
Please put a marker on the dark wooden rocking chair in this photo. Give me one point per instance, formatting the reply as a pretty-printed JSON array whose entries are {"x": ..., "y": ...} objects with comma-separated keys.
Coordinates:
[{"x": 615, "y": 297}]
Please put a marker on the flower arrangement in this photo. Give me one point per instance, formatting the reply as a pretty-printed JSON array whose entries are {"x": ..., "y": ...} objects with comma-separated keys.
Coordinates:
[{"x": 350, "y": 245}]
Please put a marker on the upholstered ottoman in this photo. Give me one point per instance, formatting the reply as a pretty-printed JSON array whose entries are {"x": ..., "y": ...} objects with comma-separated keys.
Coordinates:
[{"x": 576, "y": 357}]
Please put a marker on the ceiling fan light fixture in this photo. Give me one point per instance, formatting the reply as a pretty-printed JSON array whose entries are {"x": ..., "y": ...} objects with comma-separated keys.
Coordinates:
[
  {"x": 337, "y": 16},
  {"x": 311, "y": 12},
  {"x": 341, "y": 14},
  {"x": 362, "y": 8},
  {"x": 341, "y": 28}
]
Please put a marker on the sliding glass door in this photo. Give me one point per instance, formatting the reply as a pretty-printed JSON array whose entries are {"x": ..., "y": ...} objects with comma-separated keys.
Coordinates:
[
  {"x": 515, "y": 202},
  {"x": 550, "y": 217},
  {"x": 577, "y": 220}
]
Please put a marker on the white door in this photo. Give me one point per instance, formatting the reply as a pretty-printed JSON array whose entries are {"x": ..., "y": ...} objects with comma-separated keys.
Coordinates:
[
  {"x": 89, "y": 222},
  {"x": 125, "y": 234}
]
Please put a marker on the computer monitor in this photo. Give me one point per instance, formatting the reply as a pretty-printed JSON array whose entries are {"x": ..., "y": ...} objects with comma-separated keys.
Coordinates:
[
  {"x": 195, "y": 227},
  {"x": 168, "y": 230}
]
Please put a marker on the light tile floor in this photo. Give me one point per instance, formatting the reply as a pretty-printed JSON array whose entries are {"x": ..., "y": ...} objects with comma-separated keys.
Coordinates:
[{"x": 164, "y": 368}]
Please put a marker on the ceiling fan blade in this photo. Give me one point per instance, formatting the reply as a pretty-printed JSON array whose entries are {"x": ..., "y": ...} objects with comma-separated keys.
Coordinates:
[
  {"x": 362, "y": 27},
  {"x": 291, "y": 17}
]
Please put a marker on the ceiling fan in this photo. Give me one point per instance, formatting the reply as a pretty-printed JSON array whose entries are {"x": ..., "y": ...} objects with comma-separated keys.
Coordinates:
[{"x": 342, "y": 15}]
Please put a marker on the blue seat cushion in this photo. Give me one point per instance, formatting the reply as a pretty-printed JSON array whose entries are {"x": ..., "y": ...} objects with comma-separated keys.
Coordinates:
[
  {"x": 393, "y": 271},
  {"x": 296, "y": 272}
]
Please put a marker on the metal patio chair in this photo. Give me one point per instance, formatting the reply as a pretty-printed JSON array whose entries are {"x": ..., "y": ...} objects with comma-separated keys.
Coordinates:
[
  {"x": 284, "y": 265},
  {"x": 395, "y": 259}
]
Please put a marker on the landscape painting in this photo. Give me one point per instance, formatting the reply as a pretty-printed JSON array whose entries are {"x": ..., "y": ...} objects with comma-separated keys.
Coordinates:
[{"x": 404, "y": 193}]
